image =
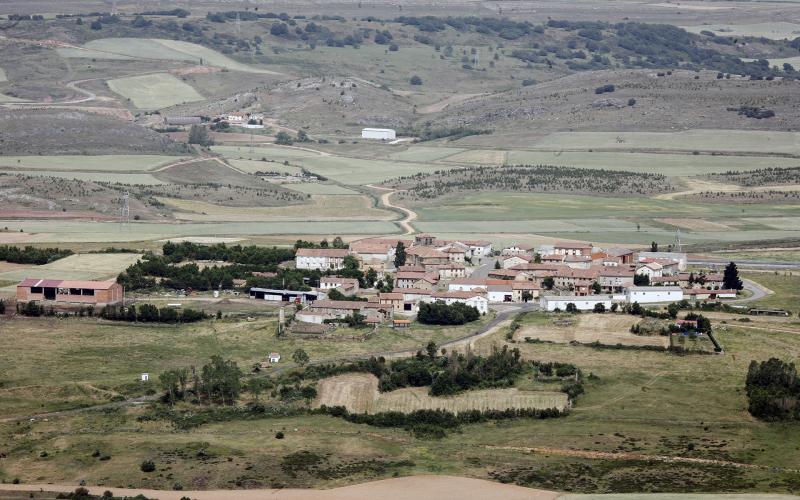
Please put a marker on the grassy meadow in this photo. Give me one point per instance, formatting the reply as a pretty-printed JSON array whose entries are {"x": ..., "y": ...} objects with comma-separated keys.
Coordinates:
[{"x": 154, "y": 91}]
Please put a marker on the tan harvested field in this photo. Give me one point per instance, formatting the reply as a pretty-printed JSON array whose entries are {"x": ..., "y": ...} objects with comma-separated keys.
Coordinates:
[
  {"x": 79, "y": 266},
  {"x": 695, "y": 224},
  {"x": 359, "y": 393},
  {"x": 609, "y": 329},
  {"x": 404, "y": 488}
]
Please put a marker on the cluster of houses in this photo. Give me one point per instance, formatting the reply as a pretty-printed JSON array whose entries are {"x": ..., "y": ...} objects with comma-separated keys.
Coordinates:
[{"x": 554, "y": 276}]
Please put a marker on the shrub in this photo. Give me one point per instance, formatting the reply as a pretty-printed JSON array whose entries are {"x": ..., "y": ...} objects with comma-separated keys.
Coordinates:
[
  {"x": 415, "y": 80},
  {"x": 279, "y": 435},
  {"x": 147, "y": 466}
]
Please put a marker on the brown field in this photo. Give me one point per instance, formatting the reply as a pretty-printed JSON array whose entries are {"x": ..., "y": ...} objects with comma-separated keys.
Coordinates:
[
  {"x": 610, "y": 329},
  {"x": 359, "y": 393},
  {"x": 695, "y": 224},
  {"x": 480, "y": 156}
]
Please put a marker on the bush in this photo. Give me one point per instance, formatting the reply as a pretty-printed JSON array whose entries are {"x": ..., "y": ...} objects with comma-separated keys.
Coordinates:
[
  {"x": 439, "y": 313},
  {"x": 147, "y": 466},
  {"x": 415, "y": 80},
  {"x": 604, "y": 89},
  {"x": 279, "y": 435}
]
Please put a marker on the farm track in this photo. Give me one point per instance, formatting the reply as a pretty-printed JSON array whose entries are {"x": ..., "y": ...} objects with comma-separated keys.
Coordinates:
[{"x": 410, "y": 215}]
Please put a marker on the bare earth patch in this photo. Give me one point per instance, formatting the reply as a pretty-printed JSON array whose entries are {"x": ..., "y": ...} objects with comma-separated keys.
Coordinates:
[
  {"x": 609, "y": 329},
  {"x": 359, "y": 393}
]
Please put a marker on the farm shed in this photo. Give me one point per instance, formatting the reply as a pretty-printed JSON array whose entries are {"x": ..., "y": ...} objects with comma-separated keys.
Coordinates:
[
  {"x": 70, "y": 291},
  {"x": 378, "y": 133},
  {"x": 654, "y": 294},
  {"x": 285, "y": 295}
]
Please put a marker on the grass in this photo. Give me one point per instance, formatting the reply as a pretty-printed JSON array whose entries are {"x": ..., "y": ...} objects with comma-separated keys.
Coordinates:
[
  {"x": 609, "y": 329},
  {"x": 3, "y": 77},
  {"x": 147, "y": 48},
  {"x": 688, "y": 140},
  {"x": 79, "y": 231},
  {"x": 99, "y": 163},
  {"x": 660, "y": 163},
  {"x": 122, "y": 178},
  {"x": 319, "y": 188},
  {"x": 78, "y": 266},
  {"x": 334, "y": 207},
  {"x": 155, "y": 91},
  {"x": 785, "y": 284},
  {"x": 778, "y": 30},
  {"x": 359, "y": 393}
]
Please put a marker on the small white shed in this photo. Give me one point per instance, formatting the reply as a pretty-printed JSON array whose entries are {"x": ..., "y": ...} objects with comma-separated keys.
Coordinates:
[{"x": 274, "y": 357}]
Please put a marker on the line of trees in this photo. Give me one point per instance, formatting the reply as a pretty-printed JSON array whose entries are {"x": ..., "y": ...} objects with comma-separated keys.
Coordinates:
[
  {"x": 32, "y": 255},
  {"x": 439, "y": 313},
  {"x": 217, "y": 382},
  {"x": 773, "y": 390},
  {"x": 148, "y": 313}
]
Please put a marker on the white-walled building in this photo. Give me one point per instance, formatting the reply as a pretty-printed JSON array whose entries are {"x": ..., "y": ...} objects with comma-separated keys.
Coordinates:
[
  {"x": 680, "y": 257},
  {"x": 320, "y": 258},
  {"x": 471, "y": 299},
  {"x": 378, "y": 133},
  {"x": 653, "y": 294},
  {"x": 500, "y": 293},
  {"x": 582, "y": 303}
]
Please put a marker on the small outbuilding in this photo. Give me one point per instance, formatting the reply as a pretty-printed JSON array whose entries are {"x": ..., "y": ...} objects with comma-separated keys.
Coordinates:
[
  {"x": 274, "y": 357},
  {"x": 382, "y": 134}
]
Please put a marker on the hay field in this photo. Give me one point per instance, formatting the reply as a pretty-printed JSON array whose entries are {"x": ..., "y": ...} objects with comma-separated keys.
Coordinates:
[
  {"x": 609, "y": 329},
  {"x": 156, "y": 91},
  {"x": 478, "y": 156},
  {"x": 359, "y": 393},
  {"x": 321, "y": 208},
  {"x": 686, "y": 140},
  {"x": 695, "y": 224},
  {"x": 98, "y": 163},
  {"x": 667, "y": 164},
  {"x": 777, "y": 31},
  {"x": 152, "y": 48},
  {"x": 270, "y": 152},
  {"x": 424, "y": 153},
  {"x": 253, "y": 166},
  {"x": 78, "y": 266},
  {"x": 356, "y": 171}
]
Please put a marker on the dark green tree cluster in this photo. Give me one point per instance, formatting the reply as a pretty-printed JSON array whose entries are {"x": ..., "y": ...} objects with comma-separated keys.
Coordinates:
[
  {"x": 32, "y": 255},
  {"x": 148, "y": 313},
  {"x": 730, "y": 278},
  {"x": 773, "y": 390},
  {"x": 439, "y": 313}
]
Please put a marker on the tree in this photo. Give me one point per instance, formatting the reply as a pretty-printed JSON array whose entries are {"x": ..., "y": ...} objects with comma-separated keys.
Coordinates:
[
  {"x": 283, "y": 139},
  {"x": 198, "y": 134},
  {"x": 596, "y": 288},
  {"x": 415, "y": 80},
  {"x": 2, "y": 307},
  {"x": 600, "y": 308},
  {"x": 399, "y": 255},
  {"x": 548, "y": 283},
  {"x": 572, "y": 308},
  {"x": 653, "y": 246},
  {"x": 730, "y": 279},
  {"x": 302, "y": 136},
  {"x": 338, "y": 242},
  {"x": 431, "y": 349},
  {"x": 527, "y": 296},
  {"x": 300, "y": 357},
  {"x": 641, "y": 279},
  {"x": 147, "y": 466},
  {"x": 258, "y": 385},
  {"x": 169, "y": 383},
  {"x": 631, "y": 102},
  {"x": 370, "y": 277},
  {"x": 497, "y": 265},
  {"x": 96, "y": 25},
  {"x": 672, "y": 310}
]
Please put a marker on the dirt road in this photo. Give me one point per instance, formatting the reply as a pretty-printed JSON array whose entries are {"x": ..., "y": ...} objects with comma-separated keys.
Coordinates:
[
  {"x": 405, "y": 223},
  {"x": 444, "y": 103},
  {"x": 403, "y": 488}
]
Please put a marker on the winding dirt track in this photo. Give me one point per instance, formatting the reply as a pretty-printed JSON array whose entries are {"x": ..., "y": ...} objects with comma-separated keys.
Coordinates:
[{"x": 410, "y": 214}]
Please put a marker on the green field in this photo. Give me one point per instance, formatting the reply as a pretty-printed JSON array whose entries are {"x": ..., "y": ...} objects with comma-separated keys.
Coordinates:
[
  {"x": 155, "y": 91},
  {"x": 76, "y": 267},
  {"x": 794, "y": 61},
  {"x": 667, "y": 164},
  {"x": 147, "y": 48},
  {"x": 78, "y": 231},
  {"x": 143, "y": 179},
  {"x": 101, "y": 163},
  {"x": 778, "y": 30},
  {"x": 424, "y": 153},
  {"x": 687, "y": 140},
  {"x": 319, "y": 188},
  {"x": 785, "y": 284}
]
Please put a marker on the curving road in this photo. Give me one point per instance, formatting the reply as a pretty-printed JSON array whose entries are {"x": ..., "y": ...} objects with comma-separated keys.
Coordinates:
[{"x": 411, "y": 215}]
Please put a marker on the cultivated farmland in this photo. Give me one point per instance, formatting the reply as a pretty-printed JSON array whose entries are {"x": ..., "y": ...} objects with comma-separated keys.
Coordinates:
[
  {"x": 155, "y": 91},
  {"x": 99, "y": 163},
  {"x": 77, "y": 267},
  {"x": 608, "y": 329},
  {"x": 359, "y": 393}
]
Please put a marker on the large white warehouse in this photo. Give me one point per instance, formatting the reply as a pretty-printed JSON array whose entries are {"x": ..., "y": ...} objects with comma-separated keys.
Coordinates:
[
  {"x": 654, "y": 294},
  {"x": 378, "y": 133}
]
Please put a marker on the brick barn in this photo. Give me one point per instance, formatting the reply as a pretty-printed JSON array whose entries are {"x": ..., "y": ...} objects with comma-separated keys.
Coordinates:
[{"x": 99, "y": 293}]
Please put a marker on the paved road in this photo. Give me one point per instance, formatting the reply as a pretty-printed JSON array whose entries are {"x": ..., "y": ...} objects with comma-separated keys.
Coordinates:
[{"x": 757, "y": 292}]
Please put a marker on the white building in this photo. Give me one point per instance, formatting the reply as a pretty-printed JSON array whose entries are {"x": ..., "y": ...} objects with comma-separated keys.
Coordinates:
[
  {"x": 651, "y": 270},
  {"x": 320, "y": 258},
  {"x": 471, "y": 299},
  {"x": 378, "y": 133},
  {"x": 480, "y": 248},
  {"x": 653, "y": 294},
  {"x": 582, "y": 303},
  {"x": 500, "y": 293}
]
